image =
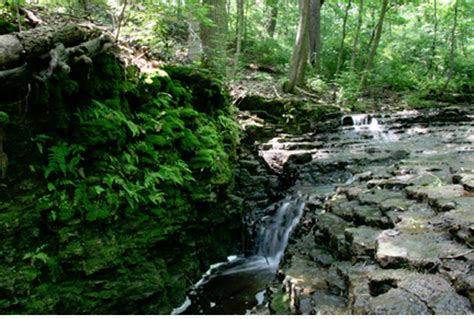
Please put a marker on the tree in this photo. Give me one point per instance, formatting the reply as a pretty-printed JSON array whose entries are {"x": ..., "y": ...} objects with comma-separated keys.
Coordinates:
[
  {"x": 240, "y": 29},
  {"x": 373, "y": 51},
  {"x": 272, "y": 21},
  {"x": 453, "y": 46},
  {"x": 357, "y": 33},
  {"x": 343, "y": 37},
  {"x": 300, "y": 51},
  {"x": 315, "y": 35},
  {"x": 435, "y": 30},
  {"x": 214, "y": 36}
]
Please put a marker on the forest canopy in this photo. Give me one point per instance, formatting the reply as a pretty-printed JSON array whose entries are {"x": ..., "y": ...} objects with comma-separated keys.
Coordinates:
[{"x": 423, "y": 46}]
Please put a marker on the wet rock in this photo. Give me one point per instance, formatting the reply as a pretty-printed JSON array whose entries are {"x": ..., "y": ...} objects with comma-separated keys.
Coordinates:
[
  {"x": 359, "y": 214},
  {"x": 466, "y": 180},
  {"x": 395, "y": 204},
  {"x": 460, "y": 223},
  {"x": 299, "y": 158},
  {"x": 362, "y": 241},
  {"x": 371, "y": 216},
  {"x": 464, "y": 284},
  {"x": 327, "y": 304},
  {"x": 395, "y": 183},
  {"x": 306, "y": 275},
  {"x": 376, "y": 196},
  {"x": 432, "y": 290},
  {"x": 438, "y": 197},
  {"x": 417, "y": 218},
  {"x": 397, "y": 302},
  {"x": 333, "y": 228},
  {"x": 416, "y": 248},
  {"x": 350, "y": 192},
  {"x": 342, "y": 208}
]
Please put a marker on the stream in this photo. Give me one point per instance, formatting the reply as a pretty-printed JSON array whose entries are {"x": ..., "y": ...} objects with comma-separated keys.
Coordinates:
[{"x": 237, "y": 285}]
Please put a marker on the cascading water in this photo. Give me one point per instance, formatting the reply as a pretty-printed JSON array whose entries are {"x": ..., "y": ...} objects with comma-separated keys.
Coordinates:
[
  {"x": 369, "y": 123},
  {"x": 236, "y": 286}
]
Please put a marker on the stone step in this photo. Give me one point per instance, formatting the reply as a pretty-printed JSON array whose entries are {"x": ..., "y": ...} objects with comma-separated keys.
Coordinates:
[
  {"x": 415, "y": 248},
  {"x": 441, "y": 198}
]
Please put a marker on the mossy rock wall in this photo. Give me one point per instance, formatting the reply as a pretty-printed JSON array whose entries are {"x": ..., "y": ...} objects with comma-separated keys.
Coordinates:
[{"x": 116, "y": 197}]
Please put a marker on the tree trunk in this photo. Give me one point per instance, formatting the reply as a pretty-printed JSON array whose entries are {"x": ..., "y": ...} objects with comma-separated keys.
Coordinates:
[
  {"x": 343, "y": 38},
  {"x": 240, "y": 28},
  {"x": 303, "y": 61},
  {"x": 357, "y": 33},
  {"x": 59, "y": 57},
  {"x": 378, "y": 35},
  {"x": 453, "y": 46},
  {"x": 214, "y": 38},
  {"x": 298, "y": 58},
  {"x": 435, "y": 31},
  {"x": 15, "y": 49},
  {"x": 273, "y": 19},
  {"x": 315, "y": 35}
]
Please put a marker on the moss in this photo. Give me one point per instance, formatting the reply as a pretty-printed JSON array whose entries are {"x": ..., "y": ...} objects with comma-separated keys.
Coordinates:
[
  {"x": 280, "y": 303},
  {"x": 4, "y": 118},
  {"x": 208, "y": 93},
  {"x": 7, "y": 27},
  {"x": 112, "y": 250}
]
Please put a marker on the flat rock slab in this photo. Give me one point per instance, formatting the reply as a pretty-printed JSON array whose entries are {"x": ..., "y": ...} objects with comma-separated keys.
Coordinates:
[
  {"x": 333, "y": 228},
  {"x": 359, "y": 214},
  {"x": 306, "y": 275},
  {"x": 397, "y": 248},
  {"x": 376, "y": 196},
  {"x": 460, "y": 223},
  {"x": 397, "y": 302},
  {"x": 433, "y": 193},
  {"x": 362, "y": 241},
  {"x": 442, "y": 198},
  {"x": 433, "y": 291}
]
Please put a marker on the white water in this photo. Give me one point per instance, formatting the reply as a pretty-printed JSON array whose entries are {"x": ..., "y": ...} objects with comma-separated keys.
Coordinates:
[
  {"x": 364, "y": 122},
  {"x": 271, "y": 242}
]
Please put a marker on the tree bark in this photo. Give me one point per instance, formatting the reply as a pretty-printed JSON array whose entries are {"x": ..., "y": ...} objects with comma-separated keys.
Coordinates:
[
  {"x": 435, "y": 31},
  {"x": 240, "y": 28},
  {"x": 273, "y": 18},
  {"x": 373, "y": 51},
  {"x": 120, "y": 19},
  {"x": 59, "y": 57},
  {"x": 357, "y": 33},
  {"x": 453, "y": 46},
  {"x": 214, "y": 38},
  {"x": 298, "y": 58},
  {"x": 15, "y": 49},
  {"x": 343, "y": 38},
  {"x": 315, "y": 35}
]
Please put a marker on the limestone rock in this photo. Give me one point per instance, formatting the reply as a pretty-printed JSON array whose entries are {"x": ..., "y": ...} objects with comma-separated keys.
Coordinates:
[{"x": 415, "y": 248}]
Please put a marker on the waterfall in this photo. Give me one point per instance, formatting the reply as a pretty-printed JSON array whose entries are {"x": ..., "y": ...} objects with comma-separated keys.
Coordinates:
[
  {"x": 365, "y": 122},
  {"x": 252, "y": 272},
  {"x": 273, "y": 238}
]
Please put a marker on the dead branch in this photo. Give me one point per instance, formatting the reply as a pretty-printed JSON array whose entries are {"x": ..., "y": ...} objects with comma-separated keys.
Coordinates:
[{"x": 459, "y": 255}]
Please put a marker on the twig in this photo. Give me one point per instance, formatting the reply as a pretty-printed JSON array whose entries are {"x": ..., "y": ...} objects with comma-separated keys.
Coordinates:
[
  {"x": 470, "y": 251},
  {"x": 17, "y": 8},
  {"x": 276, "y": 92},
  {"x": 120, "y": 20},
  {"x": 32, "y": 17},
  {"x": 300, "y": 90}
]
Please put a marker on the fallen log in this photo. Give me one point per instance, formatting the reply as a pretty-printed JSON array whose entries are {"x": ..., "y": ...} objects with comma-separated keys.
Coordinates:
[
  {"x": 63, "y": 48},
  {"x": 16, "y": 48}
]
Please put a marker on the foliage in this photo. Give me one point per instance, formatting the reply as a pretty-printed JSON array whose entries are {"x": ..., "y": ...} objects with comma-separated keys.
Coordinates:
[
  {"x": 4, "y": 118},
  {"x": 130, "y": 202}
]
